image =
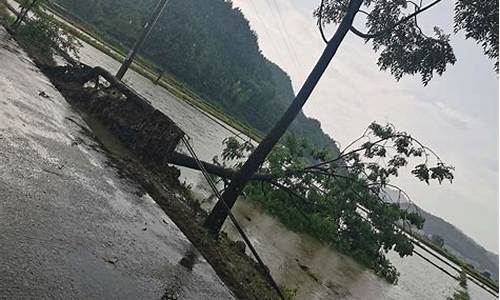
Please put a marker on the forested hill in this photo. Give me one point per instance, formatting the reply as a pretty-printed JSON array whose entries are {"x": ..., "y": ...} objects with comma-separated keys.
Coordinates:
[{"x": 209, "y": 46}]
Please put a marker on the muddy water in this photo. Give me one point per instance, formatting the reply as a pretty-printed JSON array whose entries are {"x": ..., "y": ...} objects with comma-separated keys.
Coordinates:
[{"x": 295, "y": 260}]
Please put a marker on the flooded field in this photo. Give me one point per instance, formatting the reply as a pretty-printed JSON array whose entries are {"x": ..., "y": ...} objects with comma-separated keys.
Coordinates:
[{"x": 295, "y": 260}]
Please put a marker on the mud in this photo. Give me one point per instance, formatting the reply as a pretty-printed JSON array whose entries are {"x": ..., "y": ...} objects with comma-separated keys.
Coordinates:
[
  {"x": 145, "y": 131},
  {"x": 138, "y": 140}
]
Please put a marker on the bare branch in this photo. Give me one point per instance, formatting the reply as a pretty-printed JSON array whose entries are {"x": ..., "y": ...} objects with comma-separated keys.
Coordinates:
[
  {"x": 341, "y": 156},
  {"x": 320, "y": 22},
  {"x": 361, "y": 34},
  {"x": 417, "y": 6}
]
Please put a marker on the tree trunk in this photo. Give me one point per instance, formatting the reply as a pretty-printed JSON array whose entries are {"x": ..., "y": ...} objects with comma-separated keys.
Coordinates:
[
  {"x": 220, "y": 212},
  {"x": 22, "y": 14},
  {"x": 183, "y": 160}
]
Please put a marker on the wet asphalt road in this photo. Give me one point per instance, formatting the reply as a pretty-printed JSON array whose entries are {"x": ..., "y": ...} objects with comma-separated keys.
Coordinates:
[{"x": 70, "y": 226}]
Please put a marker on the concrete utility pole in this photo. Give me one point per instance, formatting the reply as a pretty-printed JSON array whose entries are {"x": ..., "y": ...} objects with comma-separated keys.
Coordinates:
[
  {"x": 25, "y": 8},
  {"x": 155, "y": 15}
]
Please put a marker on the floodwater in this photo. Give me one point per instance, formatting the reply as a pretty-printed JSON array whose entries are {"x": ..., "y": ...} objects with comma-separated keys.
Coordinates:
[
  {"x": 297, "y": 261},
  {"x": 71, "y": 227}
]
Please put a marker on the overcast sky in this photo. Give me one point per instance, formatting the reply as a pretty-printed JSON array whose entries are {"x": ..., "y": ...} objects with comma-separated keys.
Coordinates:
[{"x": 456, "y": 114}]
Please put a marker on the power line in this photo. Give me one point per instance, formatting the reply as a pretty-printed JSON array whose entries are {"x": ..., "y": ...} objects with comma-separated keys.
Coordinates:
[
  {"x": 271, "y": 40},
  {"x": 280, "y": 17},
  {"x": 283, "y": 33},
  {"x": 233, "y": 218}
]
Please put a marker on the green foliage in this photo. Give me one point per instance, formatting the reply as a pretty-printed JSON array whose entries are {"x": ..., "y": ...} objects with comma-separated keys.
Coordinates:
[
  {"x": 408, "y": 51},
  {"x": 43, "y": 38},
  {"x": 460, "y": 295},
  {"x": 404, "y": 48},
  {"x": 27, "y": 6},
  {"x": 288, "y": 293},
  {"x": 5, "y": 17},
  {"x": 342, "y": 204},
  {"x": 333, "y": 217},
  {"x": 395, "y": 148},
  {"x": 392, "y": 28},
  {"x": 234, "y": 150},
  {"x": 31, "y": 4},
  {"x": 479, "y": 21}
]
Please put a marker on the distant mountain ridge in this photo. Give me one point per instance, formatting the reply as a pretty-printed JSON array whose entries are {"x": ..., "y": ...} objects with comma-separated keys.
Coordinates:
[
  {"x": 456, "y": 241},
  {"x": 460, "y": 244}
]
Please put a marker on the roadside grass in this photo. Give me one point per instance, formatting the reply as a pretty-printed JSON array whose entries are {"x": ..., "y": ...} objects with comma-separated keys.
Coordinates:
[{"x": 32, "y": 38}]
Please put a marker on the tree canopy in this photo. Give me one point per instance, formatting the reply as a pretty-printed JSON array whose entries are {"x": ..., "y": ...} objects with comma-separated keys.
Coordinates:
[
  {"x": 392, "y": 28},
  {"x": 479, "y": 21}
]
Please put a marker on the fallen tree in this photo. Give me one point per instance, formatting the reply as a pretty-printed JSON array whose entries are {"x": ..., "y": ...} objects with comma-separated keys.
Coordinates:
[{"x": 342, "y": 200}]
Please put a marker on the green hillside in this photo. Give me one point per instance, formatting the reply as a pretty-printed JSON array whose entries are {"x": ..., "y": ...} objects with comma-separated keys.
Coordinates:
[{"x": 209, "y": 46}]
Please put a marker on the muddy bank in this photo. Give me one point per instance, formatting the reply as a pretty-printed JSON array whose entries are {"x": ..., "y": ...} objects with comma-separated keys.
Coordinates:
[
  {"x": 145, "y": 131},
  {"x": 139, "y": 140}
]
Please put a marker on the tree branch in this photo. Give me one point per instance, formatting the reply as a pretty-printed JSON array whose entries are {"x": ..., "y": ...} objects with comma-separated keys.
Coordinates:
[
  {"x": 342, "y": 155},
  {"x": 401, "y": 21},
  {"x": 184, "y": 160},
  {"x": 320, "y": 22}
]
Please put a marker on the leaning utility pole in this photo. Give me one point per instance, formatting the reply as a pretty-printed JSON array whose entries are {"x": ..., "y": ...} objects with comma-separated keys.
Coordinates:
[{"x": 155, "y": 15}]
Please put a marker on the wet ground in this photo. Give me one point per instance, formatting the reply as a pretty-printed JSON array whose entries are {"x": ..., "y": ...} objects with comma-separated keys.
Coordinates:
[
  {"x": 295, "y": 260},
  {"x": 70, "y": 226}
]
